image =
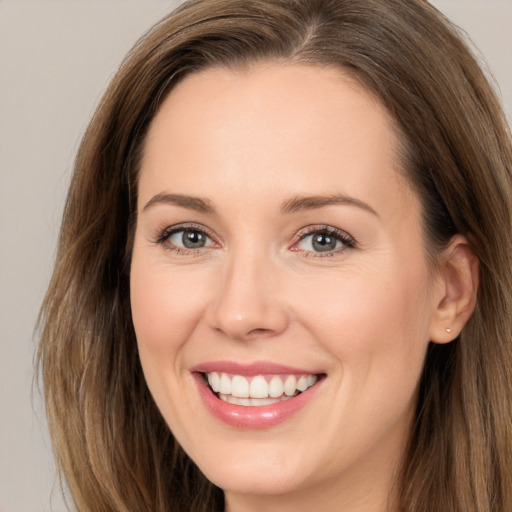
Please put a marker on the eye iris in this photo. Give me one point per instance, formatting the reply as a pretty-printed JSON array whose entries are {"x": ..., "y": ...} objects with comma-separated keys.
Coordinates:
[
  {"x": 322, "y": 242},
  {"x": 193, "y": 239}
]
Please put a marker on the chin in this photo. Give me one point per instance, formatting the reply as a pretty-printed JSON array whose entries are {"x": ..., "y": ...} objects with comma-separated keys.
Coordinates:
[
  {"x": 258, "y": 467},
  {"x": 254, "y": 480}
]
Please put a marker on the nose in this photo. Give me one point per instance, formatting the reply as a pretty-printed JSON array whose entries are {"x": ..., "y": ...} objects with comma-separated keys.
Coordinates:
[{"x": 248, "y": 303}]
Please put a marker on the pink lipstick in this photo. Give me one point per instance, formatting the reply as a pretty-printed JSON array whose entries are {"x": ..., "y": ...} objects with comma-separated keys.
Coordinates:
[{"x": 254, "y": 395}]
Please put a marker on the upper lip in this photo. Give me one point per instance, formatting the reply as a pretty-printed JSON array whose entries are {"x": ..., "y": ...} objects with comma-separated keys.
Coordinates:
[{"x": 249, "y": 369}]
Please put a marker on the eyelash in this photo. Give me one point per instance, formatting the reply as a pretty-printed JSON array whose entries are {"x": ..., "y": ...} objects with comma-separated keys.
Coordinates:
[
  {"x": 347, "y": 241},
  {"x": 167, "y": 233}
]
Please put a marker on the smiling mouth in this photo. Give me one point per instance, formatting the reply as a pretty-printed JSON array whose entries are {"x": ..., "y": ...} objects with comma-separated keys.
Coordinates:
[{"x": 258, "y": 390}]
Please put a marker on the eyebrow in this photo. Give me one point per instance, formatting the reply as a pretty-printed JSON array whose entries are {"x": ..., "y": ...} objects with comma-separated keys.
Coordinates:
[
  {"x": 293, "y": 205},
  {"x": 192, "y": 203},
  {"x": 301, "y": 203}
]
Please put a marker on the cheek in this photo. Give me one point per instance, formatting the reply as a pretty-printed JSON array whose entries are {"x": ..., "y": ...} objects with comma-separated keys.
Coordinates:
[
  {"x": 166, "y": 307},
  {"x": 376, "y": 330},
  {"x": 373, "y": 322}
]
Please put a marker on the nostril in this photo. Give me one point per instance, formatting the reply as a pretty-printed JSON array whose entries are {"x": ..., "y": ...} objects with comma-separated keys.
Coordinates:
[
  {"x": 244, "y": 331},
  {"x": 259, "y": 332}
]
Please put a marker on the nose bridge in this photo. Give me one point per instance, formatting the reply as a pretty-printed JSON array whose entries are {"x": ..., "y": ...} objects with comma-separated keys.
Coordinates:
[{"x": 247, "y": 302}]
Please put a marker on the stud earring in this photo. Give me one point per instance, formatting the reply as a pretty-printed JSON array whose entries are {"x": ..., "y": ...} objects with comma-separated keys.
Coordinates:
[{"x": 448, "y": 330}]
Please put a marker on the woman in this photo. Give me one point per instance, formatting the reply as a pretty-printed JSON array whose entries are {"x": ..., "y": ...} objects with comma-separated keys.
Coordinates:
[{"x": 283, "y": 279}]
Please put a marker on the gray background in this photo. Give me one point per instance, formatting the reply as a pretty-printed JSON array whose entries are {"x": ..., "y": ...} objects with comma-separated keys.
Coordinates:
[{"x": 56, "y": 58}]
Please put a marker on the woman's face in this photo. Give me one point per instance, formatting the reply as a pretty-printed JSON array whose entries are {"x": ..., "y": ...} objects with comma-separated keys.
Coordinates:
[{"x": 278, "y": 248}]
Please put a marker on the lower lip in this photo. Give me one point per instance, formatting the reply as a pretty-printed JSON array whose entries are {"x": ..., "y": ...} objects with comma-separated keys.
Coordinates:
[{"x": 253, "y": 417}]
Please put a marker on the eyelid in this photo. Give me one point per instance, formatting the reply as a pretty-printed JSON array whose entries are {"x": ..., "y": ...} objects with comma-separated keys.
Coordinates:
[
  {"x": 162, "y": 237},
  {"x": 345, "y": 238},
  {"x": 348, "y": 242}
]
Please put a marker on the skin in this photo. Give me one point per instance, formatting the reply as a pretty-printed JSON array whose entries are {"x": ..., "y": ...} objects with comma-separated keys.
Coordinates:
[{"x": 248, "y": 141}]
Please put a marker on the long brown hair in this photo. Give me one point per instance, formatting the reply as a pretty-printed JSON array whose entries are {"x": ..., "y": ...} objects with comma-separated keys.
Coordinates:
[{"x": 111, "y": 443}]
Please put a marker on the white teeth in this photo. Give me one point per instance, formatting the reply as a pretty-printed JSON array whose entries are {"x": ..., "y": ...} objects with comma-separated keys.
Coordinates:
[
  {"x": 275, "y": 387},
  {"x": 254, "y": 402},
  {"x": 225, "y": 385},
  {"x": 214, "y": 381},
  {"x": 239, "y": 387},
  {"x": 261, "y": 388},
  {"x": 302, "y": 383},
  {"x": 290, "y": 385}
]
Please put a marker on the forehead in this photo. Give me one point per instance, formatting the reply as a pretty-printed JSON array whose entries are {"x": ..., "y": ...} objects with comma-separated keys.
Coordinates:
[{"x": 271, "y": 129}]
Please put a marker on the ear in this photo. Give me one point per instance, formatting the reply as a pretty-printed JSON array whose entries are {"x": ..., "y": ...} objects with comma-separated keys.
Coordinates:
[{"x": 455, "y": 295}]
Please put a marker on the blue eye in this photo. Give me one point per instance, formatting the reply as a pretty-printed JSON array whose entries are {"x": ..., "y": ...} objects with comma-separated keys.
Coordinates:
[
  {"x": 185, "y": 238},
  {"x": 314, "y": 240},
  {"x": 189, "y": 239},
  {"x": 324, "y": 240}
]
